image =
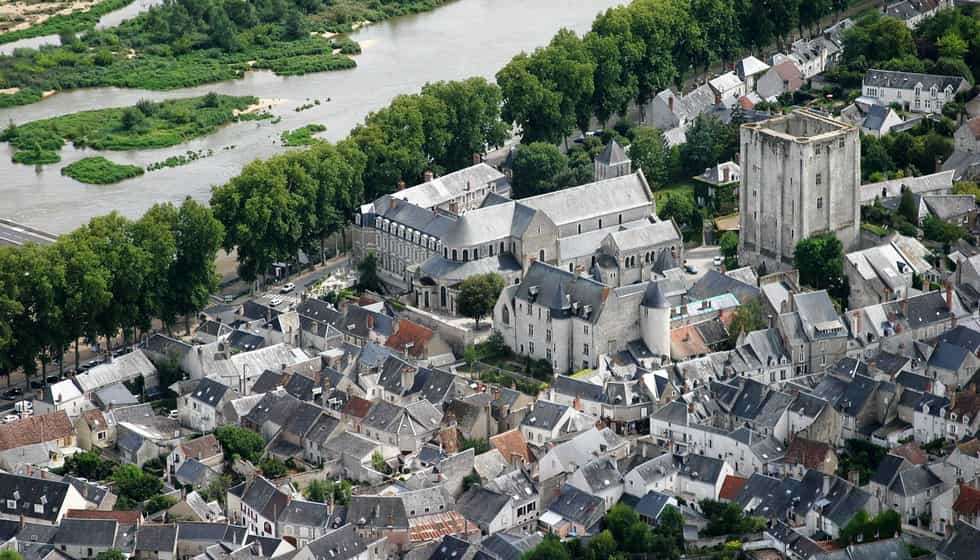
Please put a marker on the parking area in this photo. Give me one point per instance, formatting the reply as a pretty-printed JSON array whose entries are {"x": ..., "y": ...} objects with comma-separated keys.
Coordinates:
[{"x": 702, "y": 259}]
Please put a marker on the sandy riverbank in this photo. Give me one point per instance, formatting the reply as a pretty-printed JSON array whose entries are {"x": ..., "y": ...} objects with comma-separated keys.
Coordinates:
[
  {"x": 263, "y": 104},
  {"x": 27, "y": 14}
]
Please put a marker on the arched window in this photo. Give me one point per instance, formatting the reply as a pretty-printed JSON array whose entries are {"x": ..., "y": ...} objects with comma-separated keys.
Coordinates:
[
  {"x": 442, "y": 296},
  {"x": 490, "y": 248},
  {"x": 454, "y": 255},
  {"x": 620, "y": 219},
  {"x": 466, "y": 255},
  {"x": 541, "y": 255},
  {"x": 505, "y": 315},
  {"x": 476, "y": 253},
  {"x": 600, "y": 223},
  {"x": 501, "y": 247},
  {"x": 445, "y": 252}
]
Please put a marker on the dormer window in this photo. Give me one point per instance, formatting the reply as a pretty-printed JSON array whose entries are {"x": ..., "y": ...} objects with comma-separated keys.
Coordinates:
[
  {"x": 966, "y": 419},
  {"x": 39, "y": 508},
  {"x": 11, "y": 504}
]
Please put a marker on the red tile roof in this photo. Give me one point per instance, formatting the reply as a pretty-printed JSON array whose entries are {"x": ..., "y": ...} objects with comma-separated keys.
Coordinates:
[
  {"x": 731, "y": 487},
  {"x": 912, "y": 452},
  {"x": 411, "y": 335},
  {"x": 510, "y": 444},
  {"x": 807, "y": 452},
  {"x": 968, "y": 503},
  {"x": 35, "y": 429},
  {"x": 438, "y": 525},
  {"x": 203, "y": 447},
  {"x": 357, "y": 407},
  {"x": 121, "y": 517}
]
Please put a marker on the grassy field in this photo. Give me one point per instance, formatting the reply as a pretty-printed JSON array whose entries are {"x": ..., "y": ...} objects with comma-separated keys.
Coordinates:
[
  {"x": 100, "y": 171},
  {"x": 145, "y": 125},
  {"x": 673, "y": 190}
]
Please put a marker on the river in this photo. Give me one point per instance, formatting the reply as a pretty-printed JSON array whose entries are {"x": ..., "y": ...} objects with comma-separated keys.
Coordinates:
[{"x": 462, "y": 39}]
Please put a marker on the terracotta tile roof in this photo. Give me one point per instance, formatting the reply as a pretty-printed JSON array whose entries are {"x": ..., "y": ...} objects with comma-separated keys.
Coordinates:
[
  {"x": 438, "y": 525},
  {"x": 966, "y": 402},
  {"x": 731, "y": 488},
  {"x": 357, "y": 407},
  {"x": 511, "y": 443},
  {"x": 94, "y": 418},
  {"x": 202, "y": 447},
  {"x": 807, "y": 452},
  {"x": 35, "y": 429},
  {"x": 121, "y": 517},
  {"x": 912, "y": 452},
  {"x": 745, "y": 102},
  {"x": 412, "y": 334},
  {"x": 366, "y": 300},
  {"x": 789, "y": 74},
  {"x": 686, "y": 342},
  {"x": 968, "y": 503}
]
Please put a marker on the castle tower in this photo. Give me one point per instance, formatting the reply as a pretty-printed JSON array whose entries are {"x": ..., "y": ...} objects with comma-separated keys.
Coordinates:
[
  {"x": 801, "y": 175},
  {"x": 655, "y": 320}
]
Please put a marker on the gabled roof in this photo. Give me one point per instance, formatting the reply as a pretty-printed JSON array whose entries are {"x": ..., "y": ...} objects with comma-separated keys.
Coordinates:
[
  {"x": 482, "y": 505},
  {"x": 377, "y": 512},
  {"x": 36, "y": 429},
  {"x": 203, "y": 447},
  {"x": 87, "y": 532},
  {"x": 305, "y": 513},
  {"x": 968, "y": 502},
  {"x": 731, "y": 487},
  {"x": 908, "y": 80},
  {"x": 962, "y": 544},
  {"x": 339, "y": 544},
  {"x": 263, "y": 497},
  {"x": 511, "y": 444},
  {"x": 578, "y": 506},
  {"x": 545, "y": 415},
  {"x": 809, "y": 453},
  {"x": 914, "y": 481},
  {"x": 156, "y": 538}
]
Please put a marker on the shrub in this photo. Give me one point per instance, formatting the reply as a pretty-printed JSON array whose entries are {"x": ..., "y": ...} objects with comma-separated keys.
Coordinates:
[{"x": 98, "y": 170}]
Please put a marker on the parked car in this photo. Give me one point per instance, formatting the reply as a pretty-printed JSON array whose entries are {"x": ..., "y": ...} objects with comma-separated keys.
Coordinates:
[
  {"x": 52, "y": 379},
  {"x": 691, "y": 269},
  {"x": 13, "y": 393},
  {"x": 717, "y": 261},
  {"x": 286, "y": 288},
  {"x": 10, "y": 418},
  {"x": 36, "y": 384},
  {"x": 275, "y": 302}
]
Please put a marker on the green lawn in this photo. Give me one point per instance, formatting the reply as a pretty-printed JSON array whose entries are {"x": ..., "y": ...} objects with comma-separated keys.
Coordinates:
[{"x": 671, "y": 190}]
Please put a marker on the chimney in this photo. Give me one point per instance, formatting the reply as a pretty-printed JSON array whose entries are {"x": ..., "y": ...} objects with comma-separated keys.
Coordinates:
[
  {"x": 670, "y": 103},
  {"x": 370, "y": 321},
  {"x": 394, "y": 201},
  {"x": 427, "y": 175},
  {"x": 477, "y": 158},
  {"x": 857, "y": 323},
  {"x": 772, "y": 321},
  {"x": 826, "y": 485},
  {"x": 905, "y": 307}
]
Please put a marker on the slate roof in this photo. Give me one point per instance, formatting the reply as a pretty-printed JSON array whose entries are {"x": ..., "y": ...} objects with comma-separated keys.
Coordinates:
[
  {"x": 28, "y": 493},
  {"x": 612, "y": 154},
  {"x": 888, "y": 469},
  {"x": 377, "y": 512},
  {"x": 652, "y": 504},
  {"x": 579, "y": 388},
  {"x": 482, "y": 505},
  {"x": 963, "y": 337},
  {"x": 617, "y": 194},
  {"x": 914, "y": 481},
  {"x": 545, "y": 415},
  {"x": 701, "y": 468},
  {"x": 507, "y": 546},
  {"x": 87, "y": 532},
  {"x": 714, "y": 283},
  {"x": 948, "y": 356},
  {"x": 339, "y": 544},
  {"x": 263, "y": 497},
  {"x": 962, "y": 544},
  {"x": 305, "y": 513},
  {"x": 578, "y": 506},
  {"x": 156, "y": 538},
  {"x": 601, "y": 473},
  {"x": 194, "y": 473},
  {"x": 558, "y": 289},
  {"x": 908, "y": 80}
]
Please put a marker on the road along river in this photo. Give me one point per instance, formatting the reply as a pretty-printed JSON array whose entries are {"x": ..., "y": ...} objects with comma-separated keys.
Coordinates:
[{"x": 462, "y": 39}]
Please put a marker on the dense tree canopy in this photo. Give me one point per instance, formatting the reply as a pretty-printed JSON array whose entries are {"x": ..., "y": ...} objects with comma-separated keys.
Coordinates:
[
  {"x": 820, "y": 260},
  {"x": 478, "y": 294}
]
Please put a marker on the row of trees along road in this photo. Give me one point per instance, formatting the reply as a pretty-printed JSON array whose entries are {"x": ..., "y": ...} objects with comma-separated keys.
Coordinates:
[{"x": 110, "y": 275}]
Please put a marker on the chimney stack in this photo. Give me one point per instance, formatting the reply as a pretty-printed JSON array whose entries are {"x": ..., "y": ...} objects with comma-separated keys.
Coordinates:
[
  {"x": 949, "y": 296},
  {"x": 401, "y": 185},
  {"x": 427, "y": 175}
]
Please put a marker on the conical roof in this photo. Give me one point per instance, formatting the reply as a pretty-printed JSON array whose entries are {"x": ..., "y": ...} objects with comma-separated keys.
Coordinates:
[{"x": 654, "y": 297}]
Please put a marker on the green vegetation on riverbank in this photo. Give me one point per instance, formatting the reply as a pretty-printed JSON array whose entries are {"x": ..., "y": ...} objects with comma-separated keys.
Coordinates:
[
  {"x": 145, "y": 125},
  {"x": 98, "y": 170},
  {"x": 185, "y": 43},
  {"x": 302, "y": 136},
  {"x": 73, "y": 22},
  {"x": 341, "y": 15}
]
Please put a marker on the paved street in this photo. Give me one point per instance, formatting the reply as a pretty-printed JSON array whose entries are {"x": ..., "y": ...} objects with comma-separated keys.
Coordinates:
[{"x": 701, "y": 258}]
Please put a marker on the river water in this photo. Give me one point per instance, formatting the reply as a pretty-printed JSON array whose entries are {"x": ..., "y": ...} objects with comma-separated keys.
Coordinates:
[{"x": 462, "y": 39}]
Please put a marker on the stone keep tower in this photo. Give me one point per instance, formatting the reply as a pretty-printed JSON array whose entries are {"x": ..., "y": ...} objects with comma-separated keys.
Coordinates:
[
  {"x": 801, "y": 174},
  {"x": 612, "y": 162},
  {"x": 655, "y": 320}
]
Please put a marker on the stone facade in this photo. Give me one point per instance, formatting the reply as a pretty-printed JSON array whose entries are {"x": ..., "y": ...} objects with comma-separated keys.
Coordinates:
[{"x": 800, "y": 176}]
